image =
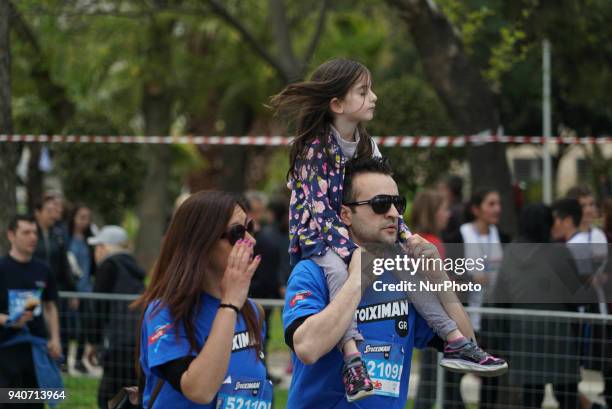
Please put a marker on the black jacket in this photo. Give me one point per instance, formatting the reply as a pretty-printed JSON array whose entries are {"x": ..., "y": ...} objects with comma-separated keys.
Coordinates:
[
  {"x": 113, "y": 320},
  {"x": 53, "y": 252}
]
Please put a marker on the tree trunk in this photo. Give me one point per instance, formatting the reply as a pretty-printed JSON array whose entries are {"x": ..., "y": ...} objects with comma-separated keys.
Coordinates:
[
  {"x": 467, "y": 97},
  {"x": 61, "y": 109},
  {"x": 157, "y": 110},
  {"x": 34, "y": 184},
  {"x": 234, "y": 165},
  {"x": 8, "y": 151}
]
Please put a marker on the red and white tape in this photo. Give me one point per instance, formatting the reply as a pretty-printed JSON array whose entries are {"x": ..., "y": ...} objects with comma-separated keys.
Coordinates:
[{"x": 389, "y": 141}]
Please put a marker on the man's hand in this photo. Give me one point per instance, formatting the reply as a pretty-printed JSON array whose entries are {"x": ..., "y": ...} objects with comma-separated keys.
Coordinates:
[
  {"x": 92, "y": 355},
  {"x": 417, "y": 246},
  {"x": 26, "y": 317},
  {"x": 54, "y": 348},
  {"x": 73, "y": 304}
]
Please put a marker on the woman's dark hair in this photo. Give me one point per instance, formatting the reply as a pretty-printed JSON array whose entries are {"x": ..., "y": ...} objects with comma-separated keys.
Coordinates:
[
  {"x": 75, "y": 210},
  {"x": 306, "y": 105},
  {"x": 476, "y": 200},
  {"x": 425, "y": 206},
  {"x": 535, "y": 223},
  {"x": 179, "y": 273}
]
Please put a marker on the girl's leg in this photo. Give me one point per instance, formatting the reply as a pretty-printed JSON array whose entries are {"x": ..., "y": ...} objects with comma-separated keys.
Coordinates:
[{"x": 355, "y": 376}]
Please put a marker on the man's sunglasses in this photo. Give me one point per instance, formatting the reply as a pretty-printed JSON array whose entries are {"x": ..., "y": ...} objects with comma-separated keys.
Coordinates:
[
  {"x": 238, "y": 231},
  {"x": 382, "y": 203}
]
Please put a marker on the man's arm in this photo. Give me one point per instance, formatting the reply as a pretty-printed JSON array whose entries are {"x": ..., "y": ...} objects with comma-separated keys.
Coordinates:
[
  {"x": 320, "y": 332},
  {"x": 52, "y": 319}
]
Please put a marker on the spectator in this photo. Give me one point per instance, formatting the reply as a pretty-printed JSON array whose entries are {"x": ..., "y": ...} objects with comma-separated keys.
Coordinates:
[
  {"x": 587, "y": 244},
  {"x": 452, "y": 189},
  {"x": 482, "y": 239},
  {"x": 256, "y": 202},
  {"x": 51, "y": 250},
  {"x": 117, "y": 273},
  {"x": 535, "y": 275},
  {"x": 607, "y": 219},
  {"x": 51, "y": 246},
  {"x": 82, "y": 262},
  {"x": 28, "y": 296},
  {"x": 272, "y": 244},
  {"x": 430, "y": 216}
]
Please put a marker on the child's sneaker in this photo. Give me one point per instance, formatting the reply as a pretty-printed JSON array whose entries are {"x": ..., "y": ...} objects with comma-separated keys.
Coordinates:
[
  {"x": 471, "y": 358},
  {"x": 357, "y": 383}
]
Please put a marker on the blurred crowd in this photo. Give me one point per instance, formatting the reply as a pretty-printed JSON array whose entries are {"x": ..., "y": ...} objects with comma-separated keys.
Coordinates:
[{"x": 84, "y": 258}]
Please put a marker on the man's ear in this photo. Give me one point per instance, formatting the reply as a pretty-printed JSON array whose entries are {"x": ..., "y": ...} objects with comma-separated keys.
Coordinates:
[
  {"x": 336, "y": 106},
  {"x": 346, "y": 215},
  {"x": 10, "y": 235}
]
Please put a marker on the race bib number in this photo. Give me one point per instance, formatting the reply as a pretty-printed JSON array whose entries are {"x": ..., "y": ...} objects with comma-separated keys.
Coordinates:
[
  {"x": 20, "y": 300},
  {"x": 385, "y": 363},
  {"x": 245, "y": 394}
]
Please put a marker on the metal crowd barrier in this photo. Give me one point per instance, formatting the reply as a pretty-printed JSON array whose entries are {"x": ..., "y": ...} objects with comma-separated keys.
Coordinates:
[{"x": 568, "y": 350}]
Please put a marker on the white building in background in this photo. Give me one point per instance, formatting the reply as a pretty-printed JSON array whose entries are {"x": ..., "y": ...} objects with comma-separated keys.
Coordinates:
[{"x": 525, "y": 162}]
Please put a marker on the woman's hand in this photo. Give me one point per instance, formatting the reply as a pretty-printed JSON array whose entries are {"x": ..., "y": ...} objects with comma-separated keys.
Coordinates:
[{"x": 237, "y": 276}]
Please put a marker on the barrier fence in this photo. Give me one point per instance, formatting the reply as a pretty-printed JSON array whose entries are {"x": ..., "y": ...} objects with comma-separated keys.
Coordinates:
[
  {"x": 570, "y": 351},
  {"x": 278, "y": 140}
]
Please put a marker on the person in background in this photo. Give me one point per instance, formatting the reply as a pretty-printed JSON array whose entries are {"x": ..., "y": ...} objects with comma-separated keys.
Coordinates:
[
  {"x": 28, "y": 296},
  {"x": 607, "y": 218},
  {"x": 590, "y": 247},
  {"x": 430, "y": 216},
  {"x": 272, "y": 243},
  {"x": 452, "y": 189},
  {"x": 81, "y": 259},
  {"x": 257, "y": 203},
  {"x": 51, "y": 249},
  {"x": 481, "y": 238},
  {"x": 113, "y": 325},
  {"x": 537, "y": 275}
]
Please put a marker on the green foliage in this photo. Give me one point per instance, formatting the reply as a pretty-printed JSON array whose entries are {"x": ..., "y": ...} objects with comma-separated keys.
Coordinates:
[{"x": 105, "y": 177}]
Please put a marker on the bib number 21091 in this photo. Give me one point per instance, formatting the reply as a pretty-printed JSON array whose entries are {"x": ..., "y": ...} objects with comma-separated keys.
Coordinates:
[{"x": 385, "y": 362}]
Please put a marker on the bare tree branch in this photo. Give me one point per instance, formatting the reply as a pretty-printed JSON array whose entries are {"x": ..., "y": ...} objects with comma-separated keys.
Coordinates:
[
  {"x": 316, "y": 36},
  {"x": 286, "y": 56},
  {"x": 222, "y": 12}
]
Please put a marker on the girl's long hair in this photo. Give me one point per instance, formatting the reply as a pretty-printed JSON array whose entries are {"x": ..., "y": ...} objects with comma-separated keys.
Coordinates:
[
  {"x": 180, "y": 271},
  {"x": 306, "y": 105}
]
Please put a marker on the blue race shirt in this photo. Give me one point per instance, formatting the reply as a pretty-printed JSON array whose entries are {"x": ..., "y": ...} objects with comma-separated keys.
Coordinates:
[
  {"x": 245, "y": 383},
  {"x": 391, "y": 328}
]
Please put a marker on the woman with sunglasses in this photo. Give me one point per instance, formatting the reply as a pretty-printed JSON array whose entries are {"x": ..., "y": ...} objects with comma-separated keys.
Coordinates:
[{"x": 201, "y": 338}]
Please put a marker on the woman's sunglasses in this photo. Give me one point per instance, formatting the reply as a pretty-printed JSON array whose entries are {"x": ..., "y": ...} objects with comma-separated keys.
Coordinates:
[
  {"x": 382, "y": 203},
  {"x": 238, "y": 231}
]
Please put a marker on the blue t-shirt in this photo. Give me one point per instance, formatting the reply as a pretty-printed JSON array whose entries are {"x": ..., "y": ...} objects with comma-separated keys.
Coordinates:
[
  {"x": 391, "y": 328},
  {"x": 245, "y": 383}
]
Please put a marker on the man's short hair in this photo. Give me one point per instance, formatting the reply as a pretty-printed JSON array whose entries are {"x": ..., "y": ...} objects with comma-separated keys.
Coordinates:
[
  {"x": 567, "y": 207},
  {"x": 579, "y": 191},
  {"x": 14, "y": 222},
  {"x": 358, "y": 166},
  {"x": 43, "y": 201}
]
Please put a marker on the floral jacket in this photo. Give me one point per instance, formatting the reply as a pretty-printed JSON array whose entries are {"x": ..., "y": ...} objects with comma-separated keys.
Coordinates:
[{"x": 316, "y": 197}]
